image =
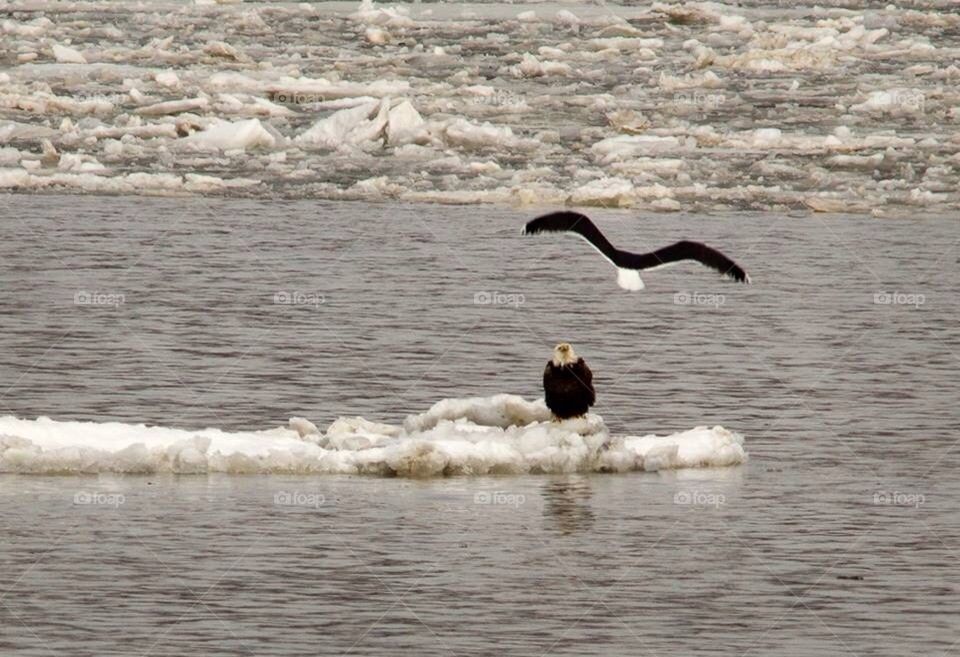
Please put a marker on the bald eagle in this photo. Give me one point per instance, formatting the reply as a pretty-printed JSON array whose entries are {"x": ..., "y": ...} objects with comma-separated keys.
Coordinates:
[
  {"x": 629, "y": 265},
  {"x": 568, "y": 384}
]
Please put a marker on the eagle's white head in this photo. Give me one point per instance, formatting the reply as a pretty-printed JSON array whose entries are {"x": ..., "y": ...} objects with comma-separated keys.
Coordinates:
[{"x": 563, "y": 354}]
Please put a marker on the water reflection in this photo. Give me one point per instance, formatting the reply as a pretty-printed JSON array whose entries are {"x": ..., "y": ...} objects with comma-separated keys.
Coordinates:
[{"x": 568, "y": 504}]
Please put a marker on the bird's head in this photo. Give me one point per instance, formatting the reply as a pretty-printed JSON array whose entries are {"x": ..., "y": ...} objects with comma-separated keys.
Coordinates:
[{"x": 563, "y": 354}]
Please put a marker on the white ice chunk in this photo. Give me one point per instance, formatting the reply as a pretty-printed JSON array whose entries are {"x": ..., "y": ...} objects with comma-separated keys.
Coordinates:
[
  {"x": 396, "y": 16},
  {"x": 377, "y": 36},
  {"x": 174, "y": 107},
  {"x": 623, "y": 147},
  {"x": 167, "y": 79},
  {"x": 405, "y": 124},
  {"x": 605, "y": 192},
  {"x": 68, "y": 55},
  {"x": 463, "y": 133},
  {"x": 345, "y": 127},
  {"x": 227, "y": 135},
  {"x": 303, "y": 426}
]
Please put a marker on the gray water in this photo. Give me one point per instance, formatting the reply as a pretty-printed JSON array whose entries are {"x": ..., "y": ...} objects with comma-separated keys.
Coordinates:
[{"x": 839, "y": 536}]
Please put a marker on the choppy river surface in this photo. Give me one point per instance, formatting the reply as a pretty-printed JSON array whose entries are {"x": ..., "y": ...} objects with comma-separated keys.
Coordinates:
[{"x": 839, "y": 535}]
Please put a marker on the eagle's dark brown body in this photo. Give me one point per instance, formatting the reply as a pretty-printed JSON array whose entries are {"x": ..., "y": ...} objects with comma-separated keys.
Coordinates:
[{"x": 568, "y": 389}]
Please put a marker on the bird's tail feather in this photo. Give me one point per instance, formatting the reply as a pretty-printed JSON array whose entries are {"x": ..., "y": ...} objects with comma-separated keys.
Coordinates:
[{"x": 629, "y": 279}]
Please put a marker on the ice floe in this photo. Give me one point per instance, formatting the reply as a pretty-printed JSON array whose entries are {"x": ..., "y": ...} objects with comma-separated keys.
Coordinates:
[{"x": 503, "y": 434}]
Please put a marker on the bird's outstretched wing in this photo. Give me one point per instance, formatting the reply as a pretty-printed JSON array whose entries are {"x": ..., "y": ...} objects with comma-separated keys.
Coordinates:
[
  {"x": 685, "y": 250},
  {"x": 580, "y": 224},
  {"x": 573, "y": 222}
]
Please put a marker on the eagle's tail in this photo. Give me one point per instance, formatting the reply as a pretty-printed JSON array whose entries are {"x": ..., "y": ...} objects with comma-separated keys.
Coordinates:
[{"x": 629, "y": 279}]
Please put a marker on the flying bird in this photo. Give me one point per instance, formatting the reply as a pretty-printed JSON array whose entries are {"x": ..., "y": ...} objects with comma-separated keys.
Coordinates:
[
  {"x": 629, "y": 264},
  {"x": 567, "y": 383}
]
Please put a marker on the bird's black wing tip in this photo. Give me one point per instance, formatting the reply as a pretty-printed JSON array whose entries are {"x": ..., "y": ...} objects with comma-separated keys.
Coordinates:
[{"x": 739, "y": 275}]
